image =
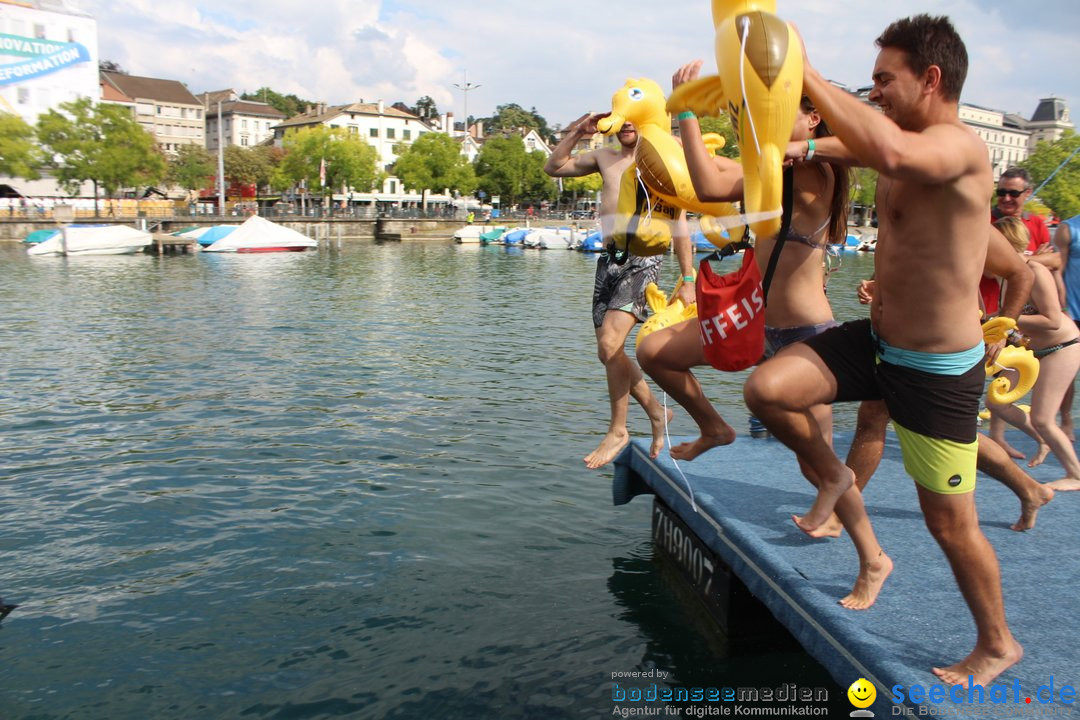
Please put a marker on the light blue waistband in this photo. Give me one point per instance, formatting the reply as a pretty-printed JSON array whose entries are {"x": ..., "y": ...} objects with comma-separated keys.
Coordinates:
[{"x": 956, "y": 363}]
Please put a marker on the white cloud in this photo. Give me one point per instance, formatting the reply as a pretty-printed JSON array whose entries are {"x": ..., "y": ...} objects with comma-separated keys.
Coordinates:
[{"x": 561, "y": 57}]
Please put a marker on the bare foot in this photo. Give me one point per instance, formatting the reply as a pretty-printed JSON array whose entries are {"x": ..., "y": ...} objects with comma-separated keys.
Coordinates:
[
  {"x": 1040, "y": 455},
  {"x": 829, "y": 491},
  {"x": 1064, "y": 484},
  {"x": 830, "y": 528},
  {"x": 1013, "y": 452},
  {"x": 608, "y": 448},
  {"x": 867, "y": 586},
  {"x": 1029, "y": 508},
  {"x": 659, "y": 429},
  {"x": 980, "y": 667},
  {"x": 690, "y": 450}
]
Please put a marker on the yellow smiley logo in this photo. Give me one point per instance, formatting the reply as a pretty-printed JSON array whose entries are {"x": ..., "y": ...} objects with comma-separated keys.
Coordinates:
[{"x": 862, "y": 693}]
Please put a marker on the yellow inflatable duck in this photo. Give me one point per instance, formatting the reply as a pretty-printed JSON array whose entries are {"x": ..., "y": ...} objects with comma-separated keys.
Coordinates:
[
  {"x": 759, "y": 61},
  {"x": 1012, "y": 357},
  {"x": 666, "y": 311},
  {"x": 659, "y": 162}
]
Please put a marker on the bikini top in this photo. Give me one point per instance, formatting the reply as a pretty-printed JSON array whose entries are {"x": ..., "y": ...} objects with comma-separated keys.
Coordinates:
[{"x": 808, "y": 240}]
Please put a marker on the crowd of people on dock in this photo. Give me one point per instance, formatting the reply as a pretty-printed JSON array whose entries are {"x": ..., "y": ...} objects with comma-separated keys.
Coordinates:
[{"x": 943, "y": 256}]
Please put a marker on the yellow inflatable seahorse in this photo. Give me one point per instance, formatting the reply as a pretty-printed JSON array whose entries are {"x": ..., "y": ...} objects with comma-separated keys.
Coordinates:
[
  {"x": 759, "y": 61},
  {"x": 658, "y": 158},
  {"x": 997, "y": 329},
  {"x": 666, "y": 311},
  {"x": 1012, "y": 357}
]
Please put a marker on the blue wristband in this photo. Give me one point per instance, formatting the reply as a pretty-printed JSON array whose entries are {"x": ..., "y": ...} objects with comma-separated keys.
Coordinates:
[{"x": 686, "y": 115}]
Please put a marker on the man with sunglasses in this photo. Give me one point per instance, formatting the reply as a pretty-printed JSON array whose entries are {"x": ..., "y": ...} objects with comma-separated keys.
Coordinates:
[{"x": 1013, "y": 190}]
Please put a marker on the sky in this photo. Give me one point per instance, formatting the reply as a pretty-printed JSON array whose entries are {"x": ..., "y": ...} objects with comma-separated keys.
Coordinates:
[{"x": 560, "y": 57}]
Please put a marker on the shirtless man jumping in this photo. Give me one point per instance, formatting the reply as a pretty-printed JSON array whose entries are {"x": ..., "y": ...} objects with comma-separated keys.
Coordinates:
[
  {"x": 922, "y": 349},
  {"x": 619, "y": 290}
]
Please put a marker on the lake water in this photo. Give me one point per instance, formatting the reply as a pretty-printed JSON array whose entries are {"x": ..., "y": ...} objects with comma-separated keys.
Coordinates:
[{"x": 339, "y": 484}]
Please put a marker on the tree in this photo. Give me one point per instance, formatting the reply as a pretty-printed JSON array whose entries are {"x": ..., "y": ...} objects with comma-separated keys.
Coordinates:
[
  {"x": 290, "y": 104},
  {"x": 722, "y": 126},
  {"x": 513, "y": 116},
  {"x": 425, "y": 108},
  {"x": 102, "y": 144},
  {"x": 245, "y": 166},
  {"x": 504, "y": 168},
  {"x": 191, "y": 167},
  {"x": 111, "y": 66},
  {"x": 1062, "y": 193},
  {"x": 434, "y": 162},
  {"x": 20, "y": 155},
  {"x": 863, "y": 186},
  {"x": 585, "y": 186},
  {"x": 348, "y": 160}
]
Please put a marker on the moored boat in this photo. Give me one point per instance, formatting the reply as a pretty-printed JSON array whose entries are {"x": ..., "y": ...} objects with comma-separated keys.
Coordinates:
[
  {"x": 93, "y": 240},
  {"x": 470, "y": 234},
  {"x": 259, "y": 235}
]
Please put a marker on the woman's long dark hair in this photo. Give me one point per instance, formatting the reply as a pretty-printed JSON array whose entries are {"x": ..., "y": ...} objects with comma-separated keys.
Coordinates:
[{"x": 841, "y": 197}]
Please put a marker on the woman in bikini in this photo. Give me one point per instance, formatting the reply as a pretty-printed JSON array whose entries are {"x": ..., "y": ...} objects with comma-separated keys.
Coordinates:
[
  {"x": 1055, "y": 341},
  {"x": 796, "y": 309}
]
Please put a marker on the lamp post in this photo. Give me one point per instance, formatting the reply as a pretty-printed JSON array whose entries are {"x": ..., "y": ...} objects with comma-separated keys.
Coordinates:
[
  {"x": 220, "y": 163},
  {"x": 63, "y": 214},
  {"x": 465, "y": 87}
]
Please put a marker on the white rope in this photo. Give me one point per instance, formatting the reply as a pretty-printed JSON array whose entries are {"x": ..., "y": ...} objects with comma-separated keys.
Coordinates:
[
  {"x": 742, "y": 81},
  {"x": 648, "y": 195},
  {"x": 667, "y": 438}
]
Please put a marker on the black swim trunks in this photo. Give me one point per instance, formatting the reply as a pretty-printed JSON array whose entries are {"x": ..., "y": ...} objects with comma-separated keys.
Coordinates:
[
  {"x": 936, "y": 415},
  {"x": 622, "y": 287}
]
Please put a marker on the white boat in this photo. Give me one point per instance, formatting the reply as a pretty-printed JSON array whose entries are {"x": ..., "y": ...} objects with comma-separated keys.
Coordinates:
[
  {"x": 470, "y": 234},
  {"x": 94, "y": 240},
  {"x": 867, "y": 244},
  {"x": 552, "y": 238},
  {"x": 259, "y": 235}
]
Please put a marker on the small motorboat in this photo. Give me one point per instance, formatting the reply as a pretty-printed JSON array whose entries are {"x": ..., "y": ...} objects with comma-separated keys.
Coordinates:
[
  {"x": 867, "y": 244},
  {"x": 93, "y": 240},
  {"x": 592, "y": 243},
  {"x": 259, "y": 235},
  {"x": 470, "y": 234},
  {"x": 514, "y": 237}
]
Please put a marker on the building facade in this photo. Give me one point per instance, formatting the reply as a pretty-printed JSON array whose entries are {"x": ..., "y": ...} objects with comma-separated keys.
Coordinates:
[
  {"x": 48, "y": 55},
  {"x": 1009, "y": 138},
  {"x": 243, "y": 122},
  {"x": 165, "y": 108},
  {"x": 383, "y": 127}
]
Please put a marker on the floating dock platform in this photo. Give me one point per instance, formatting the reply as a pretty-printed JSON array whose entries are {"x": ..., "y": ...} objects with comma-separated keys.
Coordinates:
[{"x": 736, "y": 502}]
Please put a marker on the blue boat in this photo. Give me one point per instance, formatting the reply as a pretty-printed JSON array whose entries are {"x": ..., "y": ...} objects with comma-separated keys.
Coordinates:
[
  {"x": 592, "y": 243},
  {"x": 514, "y": 237},
  {"x": 850, "y": 244},
  {"x": 40, "y": 236},
  {"x": 701, "y": 244},
  {"x": 215, "y": 233}
]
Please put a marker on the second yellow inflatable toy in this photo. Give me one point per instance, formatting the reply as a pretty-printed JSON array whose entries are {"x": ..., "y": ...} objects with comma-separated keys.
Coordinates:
[
  {"x": 1011, "y": 357},
  {"x": 666, "y": 311},
  {"x": 759, "y": 62}
]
